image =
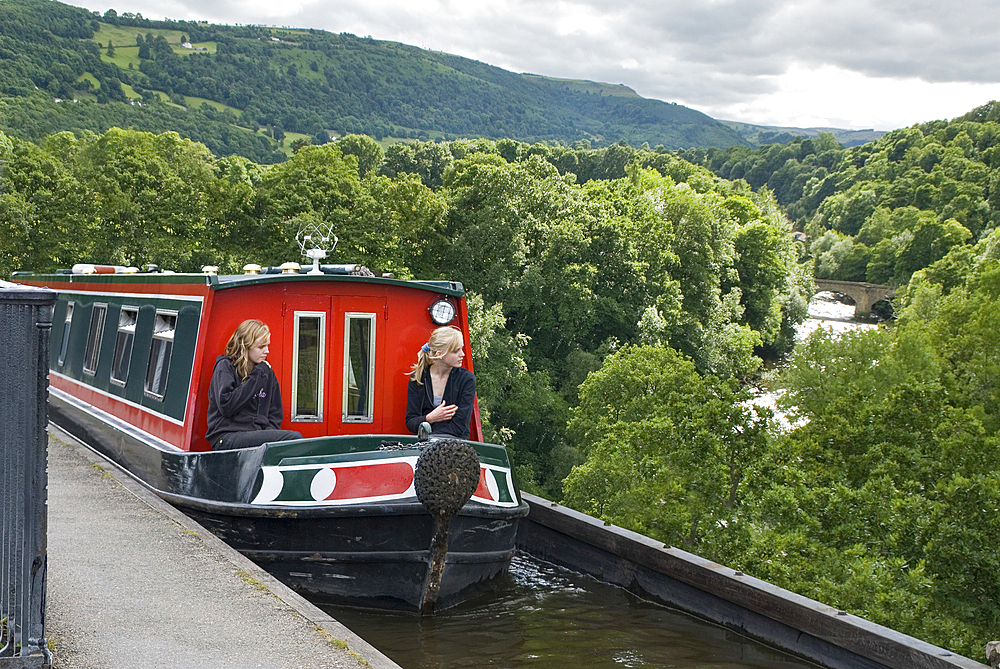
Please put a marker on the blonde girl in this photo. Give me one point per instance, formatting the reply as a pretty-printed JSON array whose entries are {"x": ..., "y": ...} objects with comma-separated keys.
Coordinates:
[
  {"x": 244, "y": 399},
  {"x": 248, "y": 346},
  {"x": 441, "y": 391}
]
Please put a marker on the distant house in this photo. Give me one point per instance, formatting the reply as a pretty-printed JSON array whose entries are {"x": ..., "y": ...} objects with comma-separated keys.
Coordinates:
[{"x": 187, "y": 45}]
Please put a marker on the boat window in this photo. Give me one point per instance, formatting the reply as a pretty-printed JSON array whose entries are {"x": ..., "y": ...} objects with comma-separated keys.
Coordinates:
[
  {"x": 127, "y": 318},
  {"x": 307, "y": 366},
  {"x": 93, "y": 352},
  {"x": 64, "y": 346},
  {"x": 359, "y": 367},
  {"x": 159, "y": 353}
]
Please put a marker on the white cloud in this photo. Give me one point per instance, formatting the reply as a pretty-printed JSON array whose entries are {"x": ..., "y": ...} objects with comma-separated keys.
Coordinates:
[{"x": 833, "y": 97}]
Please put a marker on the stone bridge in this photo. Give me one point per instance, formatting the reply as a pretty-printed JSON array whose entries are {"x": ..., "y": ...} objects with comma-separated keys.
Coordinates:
[{"x": 863, "y": 294}]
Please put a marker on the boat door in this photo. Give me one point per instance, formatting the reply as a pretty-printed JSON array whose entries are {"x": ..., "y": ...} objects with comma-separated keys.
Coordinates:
[{"x": 334, "y": 375}]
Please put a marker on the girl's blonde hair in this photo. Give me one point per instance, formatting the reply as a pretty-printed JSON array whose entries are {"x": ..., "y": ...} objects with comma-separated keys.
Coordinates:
[
  {"x": 249, "y": 333},
  {"x": 442, "y": 341}
]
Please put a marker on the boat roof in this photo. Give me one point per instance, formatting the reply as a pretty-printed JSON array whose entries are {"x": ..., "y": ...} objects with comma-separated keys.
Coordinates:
[{"x": 226, "y": 281}]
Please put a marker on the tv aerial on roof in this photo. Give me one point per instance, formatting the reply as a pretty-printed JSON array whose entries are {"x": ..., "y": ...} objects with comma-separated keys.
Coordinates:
[{"x": 316, "y": 240}]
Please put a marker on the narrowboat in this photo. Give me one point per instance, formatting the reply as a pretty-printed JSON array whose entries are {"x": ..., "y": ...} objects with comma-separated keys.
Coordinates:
[{"x": 334, "y": 514}]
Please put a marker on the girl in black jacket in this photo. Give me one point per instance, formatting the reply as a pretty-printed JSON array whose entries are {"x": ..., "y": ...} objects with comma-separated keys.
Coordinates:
[
  {"x": 244, "y": 400},
  {"x": 441, "y": 391}
]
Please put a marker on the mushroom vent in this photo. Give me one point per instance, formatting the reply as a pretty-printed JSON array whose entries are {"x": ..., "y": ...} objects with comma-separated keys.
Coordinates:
[{"x": 446, "y": 475}]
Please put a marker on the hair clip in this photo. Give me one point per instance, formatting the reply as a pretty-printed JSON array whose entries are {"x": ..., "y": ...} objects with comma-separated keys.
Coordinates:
[{"x": 426, "y": 348}]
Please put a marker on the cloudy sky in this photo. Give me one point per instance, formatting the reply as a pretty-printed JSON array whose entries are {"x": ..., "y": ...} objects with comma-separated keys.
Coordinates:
[{"x": 880, "y": 64}]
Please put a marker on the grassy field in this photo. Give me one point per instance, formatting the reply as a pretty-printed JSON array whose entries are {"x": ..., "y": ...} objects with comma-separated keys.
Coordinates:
[
  {"x": 286, "y": 144},
  {"x": 127, "y": 57},
  {"x": 192, "y": 101},
  {"x": 127, "y": 51},
  {"x": 91, "y": 78}
]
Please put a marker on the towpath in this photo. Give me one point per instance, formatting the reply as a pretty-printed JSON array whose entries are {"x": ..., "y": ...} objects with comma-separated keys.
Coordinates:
[{"x": 134, "y": 583}]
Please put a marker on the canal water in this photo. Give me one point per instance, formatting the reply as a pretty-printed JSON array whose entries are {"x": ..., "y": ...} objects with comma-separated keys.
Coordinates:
[{"x": 546, "y": 617}]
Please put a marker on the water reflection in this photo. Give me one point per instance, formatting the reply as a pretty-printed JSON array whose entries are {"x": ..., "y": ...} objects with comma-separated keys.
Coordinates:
[{"x": 544, "y": 616}]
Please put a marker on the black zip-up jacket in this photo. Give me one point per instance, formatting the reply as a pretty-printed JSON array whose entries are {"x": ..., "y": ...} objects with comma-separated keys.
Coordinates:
[
  {"x": 239, "y": 407},
  {"x": 460, "y": 391}
]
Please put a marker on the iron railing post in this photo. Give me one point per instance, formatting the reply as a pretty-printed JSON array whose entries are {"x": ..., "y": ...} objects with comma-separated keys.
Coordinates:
[{"x": 25, "y": 322}]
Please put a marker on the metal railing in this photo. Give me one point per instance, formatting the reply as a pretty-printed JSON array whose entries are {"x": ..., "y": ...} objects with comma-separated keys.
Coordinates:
[{"x": 25, "y": 322}]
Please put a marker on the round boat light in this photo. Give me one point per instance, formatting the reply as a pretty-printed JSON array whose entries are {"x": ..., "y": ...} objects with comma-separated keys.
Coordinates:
[{"x": 442, "y": 312}]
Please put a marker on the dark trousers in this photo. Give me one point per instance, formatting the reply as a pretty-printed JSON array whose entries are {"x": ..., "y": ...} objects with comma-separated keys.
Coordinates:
[{"x": 232, "y": 440}]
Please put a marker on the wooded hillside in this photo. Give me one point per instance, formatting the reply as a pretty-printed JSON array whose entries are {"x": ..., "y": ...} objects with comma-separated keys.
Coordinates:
[
  {"x": 881, "y": 211},
  {"x": 245, "y": 90}
]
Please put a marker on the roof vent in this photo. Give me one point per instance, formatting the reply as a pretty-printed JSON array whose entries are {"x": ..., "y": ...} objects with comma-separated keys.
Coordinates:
[
  {"x": 252, "y": 268},
  {"x": 290, "y": 268}
]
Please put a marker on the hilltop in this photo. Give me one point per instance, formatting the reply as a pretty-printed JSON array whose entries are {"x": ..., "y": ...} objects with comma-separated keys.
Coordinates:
[
  {"x": 252, "y": 90},
  {"x": 760, "y": 135}
]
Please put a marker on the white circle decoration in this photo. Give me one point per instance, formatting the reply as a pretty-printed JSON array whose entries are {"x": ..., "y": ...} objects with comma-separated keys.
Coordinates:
[
  {"x": 270, "y": 487},
  {"x": 323, "y": 484},
  {"x": 491, "y": 483}
]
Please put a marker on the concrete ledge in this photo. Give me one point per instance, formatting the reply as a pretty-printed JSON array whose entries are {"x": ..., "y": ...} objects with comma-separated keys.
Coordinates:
[
  {"x": 708, "y": 590},
  {"x": 363, "y": 652}
]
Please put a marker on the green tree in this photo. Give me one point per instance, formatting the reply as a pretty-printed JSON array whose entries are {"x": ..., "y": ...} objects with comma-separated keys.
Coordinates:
[
  {"x": 322, "y": 184},
  {"x": 931, "y": 241},
  {"x": 890, "y": 479},
  {"x": 763, "y": 263},
  {"x": 667, "y": 450},
  {"x": 241, "y": 232},
  {"x": 519, "y": 407},
  {"x": 369, "y": 153},
  {"x": 151, "y": 194},
  {"x": 413, "y": 215},
  {"x": 428, "y": 160},
  {"x": 46, "y": 209}
]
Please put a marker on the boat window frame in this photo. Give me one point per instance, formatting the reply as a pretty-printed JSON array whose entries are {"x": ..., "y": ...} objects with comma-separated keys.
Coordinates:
[
  {"x": 67, "y": 324},
  {"x": 320, "y": 372},
  {"x": 95, "y": 336},
  {"x": 369, "y": 415},
  {"x": 164, "y": 335},
  {"x": 120, "y": 354}
]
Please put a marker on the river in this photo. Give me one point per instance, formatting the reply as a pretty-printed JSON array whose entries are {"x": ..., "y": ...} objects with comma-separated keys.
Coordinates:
[{"x": 824, "y": 312}]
